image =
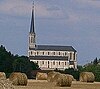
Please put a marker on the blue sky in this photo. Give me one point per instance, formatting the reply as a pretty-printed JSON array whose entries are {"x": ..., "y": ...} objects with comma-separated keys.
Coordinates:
[{"x": 57, "y": 22}]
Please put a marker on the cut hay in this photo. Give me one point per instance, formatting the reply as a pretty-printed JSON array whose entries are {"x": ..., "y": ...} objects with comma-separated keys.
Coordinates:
[
  {"x": 51, "y": 75},
  {"x": 64, "y": 80},
  {"x": 2, "y": 75},
  {"x": 18, "y": 79},
  {"x": 41, "y": 76},
  {"x": 56, "y": 77},
  {"x": 87, "y": 77},
  {"x": 6, "y": 84},
  {"x": 71, "y": 77}
]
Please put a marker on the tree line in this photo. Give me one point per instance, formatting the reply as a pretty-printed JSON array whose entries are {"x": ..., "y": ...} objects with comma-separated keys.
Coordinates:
[
  {"x": 93, "y": 66},
  {"x": 14, "y": 63}
]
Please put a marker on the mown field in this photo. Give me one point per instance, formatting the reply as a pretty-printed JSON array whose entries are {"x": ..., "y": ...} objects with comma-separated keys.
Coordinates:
[{"x": 43, "y": 84}]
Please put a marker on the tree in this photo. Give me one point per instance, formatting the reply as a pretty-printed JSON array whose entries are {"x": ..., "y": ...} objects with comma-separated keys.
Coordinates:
[
  {"x": 34, "y": 66},
  {"x": 95, "y": 62},
  {"x": 10, "y": 63},
  {"x": 73, "y": 72},
  {"x": 95, "y": 69},
  {"x": 23, "y": 64},
  {"x": 6, "y": 59}
]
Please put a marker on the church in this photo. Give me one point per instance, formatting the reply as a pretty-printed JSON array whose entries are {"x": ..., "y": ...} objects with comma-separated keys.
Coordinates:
[{"x": 50, "y": 57}]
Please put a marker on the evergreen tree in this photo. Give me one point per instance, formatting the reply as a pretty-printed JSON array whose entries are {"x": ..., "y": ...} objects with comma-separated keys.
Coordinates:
[{"x": 95, "y": 62}]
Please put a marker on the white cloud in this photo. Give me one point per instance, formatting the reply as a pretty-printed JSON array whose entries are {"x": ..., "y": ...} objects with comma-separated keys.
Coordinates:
[
  {"x": 95, "y": 3},
  {"x": 23, "y": 8},
  {"x": 15, "y": 7},
  {"x": 47, "y": 11}
]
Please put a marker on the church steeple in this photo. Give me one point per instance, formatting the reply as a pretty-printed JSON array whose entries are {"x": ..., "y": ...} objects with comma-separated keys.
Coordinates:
[
  {"x": 32, "y": 36},
  {"x": 32, "y": 21}
]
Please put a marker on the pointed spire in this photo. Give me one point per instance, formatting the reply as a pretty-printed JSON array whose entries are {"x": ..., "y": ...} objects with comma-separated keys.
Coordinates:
[{"x": 32, "y": 20}]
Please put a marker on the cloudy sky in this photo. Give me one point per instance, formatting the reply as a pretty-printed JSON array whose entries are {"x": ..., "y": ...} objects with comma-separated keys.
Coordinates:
[{"x": 57, "y": 22}]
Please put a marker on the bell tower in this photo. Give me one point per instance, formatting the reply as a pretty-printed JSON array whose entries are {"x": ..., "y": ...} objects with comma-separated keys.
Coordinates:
[{"x": 32, "y": 35}]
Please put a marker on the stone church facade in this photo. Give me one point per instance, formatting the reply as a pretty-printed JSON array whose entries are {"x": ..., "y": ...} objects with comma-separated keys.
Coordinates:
[{"x": 50, "y": 57}]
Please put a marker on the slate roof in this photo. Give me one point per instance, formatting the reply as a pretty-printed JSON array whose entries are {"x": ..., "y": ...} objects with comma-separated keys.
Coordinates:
[
  {"x": 53, "y": 48},
  {"x": 48, "y": 58},
  {"x": 32, "y": 21}
]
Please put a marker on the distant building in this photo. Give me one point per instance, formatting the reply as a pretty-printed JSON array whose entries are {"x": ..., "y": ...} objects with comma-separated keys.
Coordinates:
[{"x": 50, "y": 57}]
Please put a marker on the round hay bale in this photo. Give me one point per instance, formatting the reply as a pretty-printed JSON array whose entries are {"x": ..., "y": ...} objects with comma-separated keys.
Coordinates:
[
  {"x": 23, "y": 79},
  {"x": 2, "y": 75},
  {"x": 64, "y": 80},
  {"x": 18, "y": 78},
  {"x": 87, "y": 77},
  {"x": 41, "y": 76},
  {"x": 56, "y": 77},
  {"x": 6, "y": 84},
  {"x": 71, "y": 77},
  {"x": 51, "y": 75}
]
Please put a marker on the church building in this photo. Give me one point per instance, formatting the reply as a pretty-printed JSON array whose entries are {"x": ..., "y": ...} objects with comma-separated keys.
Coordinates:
[{"x": 50, "y": 57}]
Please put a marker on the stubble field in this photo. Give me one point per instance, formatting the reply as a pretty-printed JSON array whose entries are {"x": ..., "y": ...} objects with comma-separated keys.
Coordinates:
[{"x": 43, "y": 84}]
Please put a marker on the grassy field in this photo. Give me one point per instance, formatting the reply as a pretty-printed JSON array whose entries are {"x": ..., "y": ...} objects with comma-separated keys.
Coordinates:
[{"x": 42, "y": 84}]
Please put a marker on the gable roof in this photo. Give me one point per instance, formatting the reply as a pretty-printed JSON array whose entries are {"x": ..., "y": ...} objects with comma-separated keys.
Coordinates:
[{"x": 54, "y": 48}]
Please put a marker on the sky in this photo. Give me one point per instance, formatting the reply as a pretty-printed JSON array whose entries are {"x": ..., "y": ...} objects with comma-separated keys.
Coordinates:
[{"x": 57, "y": 22}]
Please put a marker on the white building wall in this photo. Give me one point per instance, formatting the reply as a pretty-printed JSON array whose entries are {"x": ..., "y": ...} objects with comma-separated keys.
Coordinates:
[
  {"x": 43, "y": 64},
  {"x": 51, "y": 65},
  {"x": 51, "y": 53}
]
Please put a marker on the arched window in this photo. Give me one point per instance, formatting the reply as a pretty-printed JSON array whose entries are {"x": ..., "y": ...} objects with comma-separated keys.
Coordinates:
[
  {"x": 65, "y": 63},
  {"x": 43, "y": 53},
  {"x": 31, "y": 39},
  {"x": 48, "y": 62},
  {"x": 48, "y": 53},
  {"x": 53, "y": 62},
  {"x": 59, "y": 62},
  {"x": 65, "y": 53},
  {"x": 59, "y": 53},
  {"x": 37, "y": 53},
  {"x": 31, "y": 52},
  {"x": 70, "y": 55},
  {"x": 53, "y": 53},
  {"x": 43, "y": 62}
]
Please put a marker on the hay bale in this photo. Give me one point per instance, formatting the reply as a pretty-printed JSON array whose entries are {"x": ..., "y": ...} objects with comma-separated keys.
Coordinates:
[
  {"x": 2, "y": 75},
  {"x": 23, "y": 79},
  {"x": 41, "y": 76},
  {"x": 18, "y": 78},
  {"x": 87, "y": 77},
  {"x": 51, "y": 75},
  {"x": 54, "y": 79},
  {"x": 6, "y": 84},
  {"x": 64, "y": 80},
  {"x": 71, "y": 77}
]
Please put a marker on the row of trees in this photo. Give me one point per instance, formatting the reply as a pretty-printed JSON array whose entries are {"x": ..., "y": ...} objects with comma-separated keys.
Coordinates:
[
  {"x": 13, "y": 63},
  {"x": 94, "y": 67}
]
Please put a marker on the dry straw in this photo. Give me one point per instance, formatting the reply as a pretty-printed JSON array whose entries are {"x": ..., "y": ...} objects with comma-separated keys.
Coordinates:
[
  {"x": 6, "y": 84},
  {"x": 18, "y": 78},
  {"x": 87, "y": 77},
  {"x": 64, "y": 80},
  {"x": 51, "y": 76},
  {"x": 2, "y": 75},
  {"x": 41, "y": 76},
  {"x": 71, "y": 77}
]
